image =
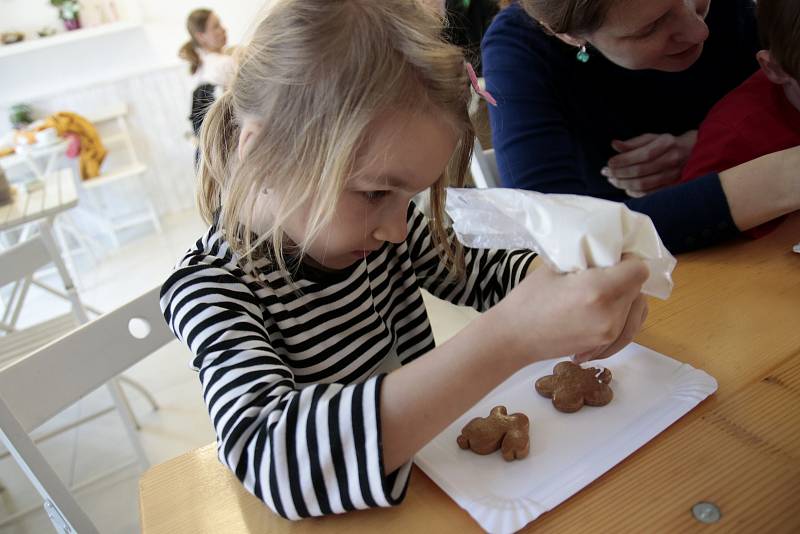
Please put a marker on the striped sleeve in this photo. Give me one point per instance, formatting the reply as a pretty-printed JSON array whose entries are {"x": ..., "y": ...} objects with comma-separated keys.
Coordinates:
[
  {"x": 304, "y": 452},
  {"x": 488, "y": 277}
]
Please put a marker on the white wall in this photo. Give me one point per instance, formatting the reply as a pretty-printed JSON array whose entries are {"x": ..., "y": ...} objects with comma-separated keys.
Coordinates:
[
  {"x": 28, "y": 16},
  {"x": 166, "y": 21},
  {"x": 62, "y": 68},
  {"x": 137, "y": 65}
]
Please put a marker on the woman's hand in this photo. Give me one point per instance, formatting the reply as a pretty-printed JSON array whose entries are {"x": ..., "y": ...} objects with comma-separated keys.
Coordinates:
[
  {"x": 649, "y": 162},
  {"x": 591, "y": 314}
]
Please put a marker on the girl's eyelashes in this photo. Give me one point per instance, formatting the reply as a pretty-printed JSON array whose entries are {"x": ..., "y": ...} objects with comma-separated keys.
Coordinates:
[{"x": 374, "y": 196}]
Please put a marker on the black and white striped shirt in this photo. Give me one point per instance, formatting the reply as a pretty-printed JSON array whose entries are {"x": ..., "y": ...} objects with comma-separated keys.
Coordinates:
[{"x": 292, "y": 380}]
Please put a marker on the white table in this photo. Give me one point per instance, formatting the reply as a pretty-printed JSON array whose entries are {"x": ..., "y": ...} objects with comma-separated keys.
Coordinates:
[
  {"x": 31, "y": 157},
  {"x": 56, "y": 196},
  {"x": 41, "y": 206}
]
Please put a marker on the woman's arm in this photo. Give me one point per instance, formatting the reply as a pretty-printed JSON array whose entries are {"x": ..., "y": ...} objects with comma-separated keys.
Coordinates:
[{"x": 533, "y": 146}]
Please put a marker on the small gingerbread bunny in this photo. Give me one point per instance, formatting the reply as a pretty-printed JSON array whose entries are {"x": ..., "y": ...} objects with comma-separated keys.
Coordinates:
[
  {"x": 510, "y": 433},
  {"x": 571, "y": 387}
]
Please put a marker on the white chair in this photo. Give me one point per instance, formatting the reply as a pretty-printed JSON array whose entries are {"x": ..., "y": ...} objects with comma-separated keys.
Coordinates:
[
  {"x": 19, "y": 265},
  {"x": 483, "y": 167},
  {"x": 131, "y": 170},
  {"x": 42, "y": 384}
]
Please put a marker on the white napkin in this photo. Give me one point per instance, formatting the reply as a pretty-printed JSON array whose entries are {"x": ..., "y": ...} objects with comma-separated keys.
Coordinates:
[{"x": 570, "y": 232}]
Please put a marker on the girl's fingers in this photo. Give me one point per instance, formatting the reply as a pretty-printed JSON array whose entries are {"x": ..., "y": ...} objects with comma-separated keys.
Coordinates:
[{"x": 637, "y": 314}]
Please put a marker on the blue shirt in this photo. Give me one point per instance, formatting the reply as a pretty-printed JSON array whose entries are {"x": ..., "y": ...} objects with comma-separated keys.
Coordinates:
[{"x": 556, "y": 117}]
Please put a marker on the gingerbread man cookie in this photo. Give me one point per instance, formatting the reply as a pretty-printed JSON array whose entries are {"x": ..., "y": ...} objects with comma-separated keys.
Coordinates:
[
  {"x": 570, "y": 386},
  {"x": 484, "y": 435}
]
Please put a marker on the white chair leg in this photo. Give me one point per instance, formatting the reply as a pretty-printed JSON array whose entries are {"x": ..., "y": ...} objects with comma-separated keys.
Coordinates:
[
  {"x": 128, "y": 422},
  {"x": 47, "y": 237},
  {"x": 141, "y": 389},
  {"x": 66, "y": 254},
  {"x": 153, "y": 214}
]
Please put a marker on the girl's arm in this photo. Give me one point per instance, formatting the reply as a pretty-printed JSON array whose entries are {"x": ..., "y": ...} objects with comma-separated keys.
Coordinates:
[
  {"x": 593, "y": 314},
  {"x": 489, "y": 274},
  {"x": 303, "y": 451}
]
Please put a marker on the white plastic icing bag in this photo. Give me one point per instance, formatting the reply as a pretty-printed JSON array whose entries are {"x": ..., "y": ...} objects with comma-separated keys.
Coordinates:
[{"x": 570, "y": 232}]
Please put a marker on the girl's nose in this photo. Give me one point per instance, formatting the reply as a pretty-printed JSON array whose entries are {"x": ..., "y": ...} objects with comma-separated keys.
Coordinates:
[{"x": 393, "y": 228}]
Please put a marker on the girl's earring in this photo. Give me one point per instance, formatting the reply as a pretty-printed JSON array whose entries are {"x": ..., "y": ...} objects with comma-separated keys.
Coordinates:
[{"x": 583, "y": 55}]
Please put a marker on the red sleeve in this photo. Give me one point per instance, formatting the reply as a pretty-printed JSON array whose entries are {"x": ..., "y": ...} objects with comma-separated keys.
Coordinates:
[{"x": 719, "y": 147}]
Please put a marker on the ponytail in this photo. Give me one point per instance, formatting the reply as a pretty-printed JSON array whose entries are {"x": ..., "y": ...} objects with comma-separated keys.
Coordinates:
[
  {"x": 195, "y": 23},
  {"x": 188, "y": 52},
  {"x": 219, "y": 138}
]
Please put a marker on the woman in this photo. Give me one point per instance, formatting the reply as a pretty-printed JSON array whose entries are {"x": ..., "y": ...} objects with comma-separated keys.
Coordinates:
[
  {"x": 209, "y": 60},
  {"x": 211, "y": 65},
  {"x": 603, "y": 98}
]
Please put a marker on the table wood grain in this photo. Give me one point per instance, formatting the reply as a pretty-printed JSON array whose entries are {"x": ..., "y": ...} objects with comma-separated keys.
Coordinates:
[{"x": 735, "y": 312}]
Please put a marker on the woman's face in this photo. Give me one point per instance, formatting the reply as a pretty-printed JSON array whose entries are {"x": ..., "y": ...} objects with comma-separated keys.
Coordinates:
[
  {"x": 214, "y": 37},
  {"x": 666, "y": 35}
]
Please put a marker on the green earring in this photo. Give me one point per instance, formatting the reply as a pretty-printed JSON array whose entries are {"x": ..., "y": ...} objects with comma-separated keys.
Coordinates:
[{"x": 583, "y": 55}]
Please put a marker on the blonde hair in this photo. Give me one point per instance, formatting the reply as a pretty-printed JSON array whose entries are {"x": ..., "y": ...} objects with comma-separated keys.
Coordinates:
[{"x": 316, "y": 76}]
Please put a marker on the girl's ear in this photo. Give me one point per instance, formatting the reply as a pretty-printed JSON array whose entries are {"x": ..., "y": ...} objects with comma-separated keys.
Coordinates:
[
  {"x": 248, "y": 133},
  {"x": 771, "y": 68}
]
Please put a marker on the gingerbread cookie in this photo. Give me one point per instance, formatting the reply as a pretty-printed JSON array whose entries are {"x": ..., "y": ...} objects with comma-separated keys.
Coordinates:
[
  {"x": 484, "y": 435},
  {"x": 570, "y": 386}
]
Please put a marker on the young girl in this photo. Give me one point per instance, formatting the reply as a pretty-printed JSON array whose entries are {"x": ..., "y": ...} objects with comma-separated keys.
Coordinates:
[
  {"x": 302, "y": 302},
  {"x": 209, "y": 61}
]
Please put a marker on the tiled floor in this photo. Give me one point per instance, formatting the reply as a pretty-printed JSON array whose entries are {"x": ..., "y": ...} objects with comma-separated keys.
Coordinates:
[{"x": 179, "y": 425}]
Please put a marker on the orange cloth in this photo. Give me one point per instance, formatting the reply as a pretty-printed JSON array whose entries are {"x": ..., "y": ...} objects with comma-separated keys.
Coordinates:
[{"x": 92, "y": 150}]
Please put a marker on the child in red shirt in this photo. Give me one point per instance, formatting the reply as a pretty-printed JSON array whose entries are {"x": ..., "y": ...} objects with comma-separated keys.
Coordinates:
[{"x": 762, "y": 115}]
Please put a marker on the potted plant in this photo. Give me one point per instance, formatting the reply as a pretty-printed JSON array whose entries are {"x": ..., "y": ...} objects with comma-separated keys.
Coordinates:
[
  {"x": 68, "y": 11},
  {"x": 20, "y": 115}
]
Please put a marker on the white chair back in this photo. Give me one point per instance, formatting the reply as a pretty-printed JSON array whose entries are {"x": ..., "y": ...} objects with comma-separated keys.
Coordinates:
[
  {"x": 483, "y": 167},
  {"x": 18, "y": 265},
  {"x": 114, "y": 131},
  {"x": 22, "y": 260},
  {"x": 42, "y": 384}
]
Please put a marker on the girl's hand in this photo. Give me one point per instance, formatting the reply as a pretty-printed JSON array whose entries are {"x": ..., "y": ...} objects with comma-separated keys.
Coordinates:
[
  {"x": 649, "y": 162},
  {"x": 591, "y": 314}
]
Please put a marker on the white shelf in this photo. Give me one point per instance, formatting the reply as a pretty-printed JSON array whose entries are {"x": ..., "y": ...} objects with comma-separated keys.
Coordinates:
[{"x": 66, "y": 37}]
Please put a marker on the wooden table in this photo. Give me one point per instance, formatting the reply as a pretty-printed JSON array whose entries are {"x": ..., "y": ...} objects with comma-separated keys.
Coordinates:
[{"x": 735, "y": 313}]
